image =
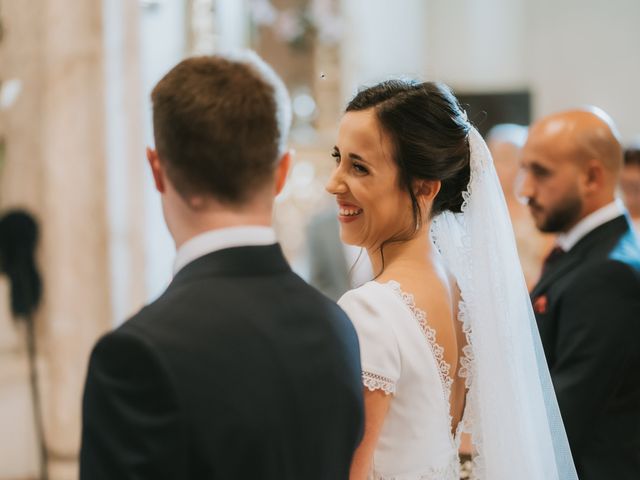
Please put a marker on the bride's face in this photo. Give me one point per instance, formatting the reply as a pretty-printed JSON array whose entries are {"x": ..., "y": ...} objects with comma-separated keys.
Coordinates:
[{"x": 372, "y": 206}]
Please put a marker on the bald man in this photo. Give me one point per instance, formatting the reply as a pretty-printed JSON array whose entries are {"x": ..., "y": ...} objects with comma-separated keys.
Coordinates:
[
  {"x": 505, "y": 141},
  {"x": 587, "y": 301}
]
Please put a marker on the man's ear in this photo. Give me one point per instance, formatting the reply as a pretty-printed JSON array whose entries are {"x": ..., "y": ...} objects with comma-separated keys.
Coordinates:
[
  {"x": 595, "y": 176},
  {"x": 156, "y": 169},
  {"x": 282, "y": 170}
]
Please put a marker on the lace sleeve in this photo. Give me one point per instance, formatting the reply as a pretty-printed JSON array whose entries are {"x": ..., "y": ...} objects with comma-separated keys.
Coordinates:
[
  {"x": 377, "y": 382},
  {"x": 372, "y": 315}
]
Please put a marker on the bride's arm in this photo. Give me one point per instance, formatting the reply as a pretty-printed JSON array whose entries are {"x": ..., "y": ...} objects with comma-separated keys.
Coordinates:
[
  {"x": 376, "y": 406},
  {"x": 372, "y": 309}
]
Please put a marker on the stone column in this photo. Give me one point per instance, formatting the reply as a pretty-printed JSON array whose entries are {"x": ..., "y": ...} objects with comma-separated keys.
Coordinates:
[
  {"x": 75, "y": 241},
  {"x": 20, "y": 182},
  {"x": 327, "y": 73},
  {"x": 55, "y": 165},
  {"x": 126, "y": 162}
]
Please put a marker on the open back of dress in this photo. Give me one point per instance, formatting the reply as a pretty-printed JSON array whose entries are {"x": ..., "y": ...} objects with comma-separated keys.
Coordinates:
[{"x": 400, "y": 355}]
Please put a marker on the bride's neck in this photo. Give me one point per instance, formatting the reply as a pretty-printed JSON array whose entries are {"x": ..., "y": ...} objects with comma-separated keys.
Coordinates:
[{"x": 394, "y": 257}]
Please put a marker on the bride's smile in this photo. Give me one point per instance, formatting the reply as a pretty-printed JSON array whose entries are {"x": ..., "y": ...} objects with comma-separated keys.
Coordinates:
[{"x": 372, "y": 206}]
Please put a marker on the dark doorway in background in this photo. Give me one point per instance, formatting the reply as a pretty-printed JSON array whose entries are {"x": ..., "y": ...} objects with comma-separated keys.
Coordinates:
[{"x": 488, "y": 109}]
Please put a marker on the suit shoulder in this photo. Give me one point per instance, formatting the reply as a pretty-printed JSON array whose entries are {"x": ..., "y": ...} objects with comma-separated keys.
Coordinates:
[
  {"x": 317, "y": 303},
  {"x": 611, "y": 273},
  {"x": 136, "y": 324},
  {"x": 124, "y": 350},
  {"x": 153, "y": 314},
  {"x": 322, "y": 302},
  {"x": 612, "y": 266},
  {"x": 310, "y": 293}
]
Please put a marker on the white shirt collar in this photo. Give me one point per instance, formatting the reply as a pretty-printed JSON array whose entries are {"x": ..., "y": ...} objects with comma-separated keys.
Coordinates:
[
  {"x": 222, "y": 238},
  {"x": 568, "y": 240}
]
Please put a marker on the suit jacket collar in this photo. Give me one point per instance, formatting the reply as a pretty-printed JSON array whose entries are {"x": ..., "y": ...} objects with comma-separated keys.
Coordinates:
[
  {"x": 589, "y": 223},
  {"x": 222, "y": 238},
  {"x": 236, "y": 261},
  {"x": 603, "y": 237}
]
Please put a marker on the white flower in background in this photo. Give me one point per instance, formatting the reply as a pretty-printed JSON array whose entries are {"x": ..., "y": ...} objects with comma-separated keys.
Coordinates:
[
  {"x": 289, "y": 26},
  {"x": 327, "y": 21},
  {"x": 9, "y": 93},
  {"x": 263, "y": 12}
]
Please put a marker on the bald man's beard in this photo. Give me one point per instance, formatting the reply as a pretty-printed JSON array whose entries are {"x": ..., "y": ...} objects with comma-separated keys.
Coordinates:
[{"x": 560, "y": 218}]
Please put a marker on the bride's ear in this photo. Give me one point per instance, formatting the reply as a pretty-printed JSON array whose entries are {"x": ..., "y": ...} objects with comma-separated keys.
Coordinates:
[{"x": 426, "y": 190}]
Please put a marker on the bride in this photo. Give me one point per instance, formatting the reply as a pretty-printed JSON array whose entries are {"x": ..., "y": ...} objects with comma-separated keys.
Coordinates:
[{"x": 447, "y": 335}]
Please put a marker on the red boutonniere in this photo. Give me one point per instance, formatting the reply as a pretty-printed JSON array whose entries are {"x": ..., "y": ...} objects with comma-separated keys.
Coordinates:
[{"x": 540, "y": 304}]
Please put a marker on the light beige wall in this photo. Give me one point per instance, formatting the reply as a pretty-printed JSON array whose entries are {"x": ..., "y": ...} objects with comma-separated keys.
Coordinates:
[
  {"x": 566, "y": 53},
  {"x": 586, "y": 52},
  {"x": 477, "y": 45}
]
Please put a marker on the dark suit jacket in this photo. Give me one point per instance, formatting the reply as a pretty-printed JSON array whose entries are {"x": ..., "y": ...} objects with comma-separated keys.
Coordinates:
[
  {"x": 240, "y": 370},
  {"x": 588, "y": 311}
]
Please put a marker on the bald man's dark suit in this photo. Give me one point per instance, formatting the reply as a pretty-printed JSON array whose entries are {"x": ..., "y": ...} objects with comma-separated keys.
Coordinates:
[{"x": 587, "y": 306}]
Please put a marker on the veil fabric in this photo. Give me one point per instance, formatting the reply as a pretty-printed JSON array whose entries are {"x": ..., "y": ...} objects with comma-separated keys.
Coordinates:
[{"x": 511, "y": 411}]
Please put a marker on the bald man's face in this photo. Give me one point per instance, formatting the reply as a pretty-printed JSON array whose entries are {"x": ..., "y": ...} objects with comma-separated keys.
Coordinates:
[{"x": 551, "y": 181}]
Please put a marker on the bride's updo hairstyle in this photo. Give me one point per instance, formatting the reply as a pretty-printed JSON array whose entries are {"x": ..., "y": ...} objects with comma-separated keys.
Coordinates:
[{"x": 429, "y": 133}]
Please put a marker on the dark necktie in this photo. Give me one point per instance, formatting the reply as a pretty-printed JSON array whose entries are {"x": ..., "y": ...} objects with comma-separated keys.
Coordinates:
[{"x": 554, "y": 255}]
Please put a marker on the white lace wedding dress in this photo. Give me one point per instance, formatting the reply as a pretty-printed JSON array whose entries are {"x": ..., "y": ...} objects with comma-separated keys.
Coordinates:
[
  {"x": 511, "y": 412},
  {"x": 400, "y": 355}
]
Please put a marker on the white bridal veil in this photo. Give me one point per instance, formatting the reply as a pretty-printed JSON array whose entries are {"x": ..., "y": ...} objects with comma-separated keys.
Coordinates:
[{"x": 512, "y": 412}]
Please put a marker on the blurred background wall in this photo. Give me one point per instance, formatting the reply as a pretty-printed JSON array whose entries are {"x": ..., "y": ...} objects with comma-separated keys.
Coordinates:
[{"x": 75, "y": 79}]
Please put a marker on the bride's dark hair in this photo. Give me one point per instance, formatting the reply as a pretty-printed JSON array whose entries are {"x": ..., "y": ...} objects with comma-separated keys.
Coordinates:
[{"x": 429, "y": 132}]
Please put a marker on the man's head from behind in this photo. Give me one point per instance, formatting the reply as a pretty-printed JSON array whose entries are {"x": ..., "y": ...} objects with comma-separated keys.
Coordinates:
[
  {"x": 571, "y": 163},
  {"x": 220, "y": 127}
]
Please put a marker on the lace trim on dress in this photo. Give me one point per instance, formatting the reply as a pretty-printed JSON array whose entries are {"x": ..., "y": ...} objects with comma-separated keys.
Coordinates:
[
  {"x": 465, "y": 371},
  {"x": 449, "y": 472},
  {"x": 430, "y": 334},
  {"x": 374, "y": 381},
  {"x": 470, "y": 421}
]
